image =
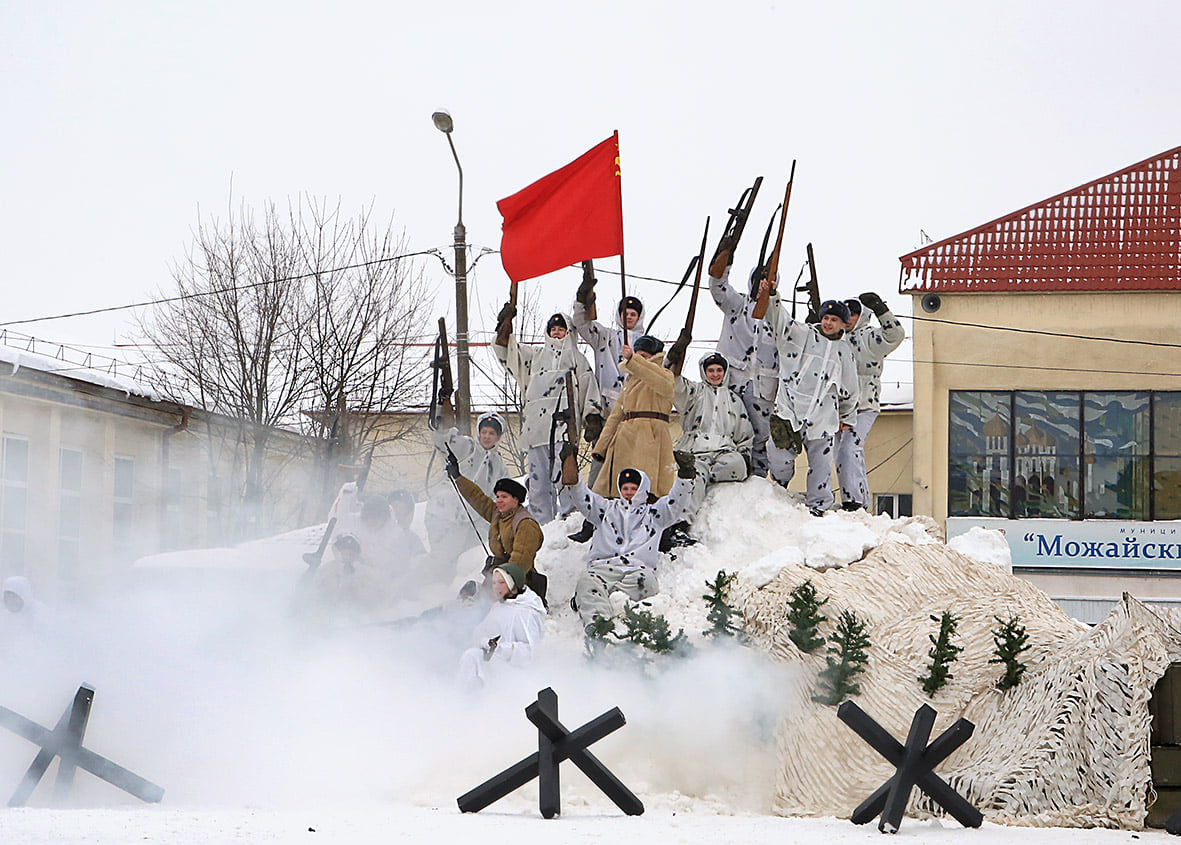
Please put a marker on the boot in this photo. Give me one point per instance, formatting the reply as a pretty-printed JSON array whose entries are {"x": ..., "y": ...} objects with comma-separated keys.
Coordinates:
[
  {"x": 852, "y": 506},
  {"x": 584, "y": 533}
]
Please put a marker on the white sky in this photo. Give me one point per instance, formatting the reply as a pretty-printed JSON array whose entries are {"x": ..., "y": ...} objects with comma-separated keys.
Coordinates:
[{"x": 121, "y": 120}]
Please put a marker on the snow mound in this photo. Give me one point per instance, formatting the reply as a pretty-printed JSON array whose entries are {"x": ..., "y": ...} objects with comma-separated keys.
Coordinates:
[
  {"x": 1037, "y": 756},
  {"x": 986, "y": 545}
]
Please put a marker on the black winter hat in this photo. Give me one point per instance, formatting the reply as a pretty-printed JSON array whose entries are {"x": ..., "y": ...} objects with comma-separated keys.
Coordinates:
[
  {"x": 714, "y": 358},
  {"x": 835, "y": 307},
  {"x": 513, "y": 488},
  {"x": 648, "y": 343},
  {"x": 854, "y": 306},
  {"x": 346, "y": 541},
  {"x": 631, "y": 302},
  {"x": 630, "y": 476},
  {"x": 492, "y": 422},
  {"x": 556, "y": 320}
]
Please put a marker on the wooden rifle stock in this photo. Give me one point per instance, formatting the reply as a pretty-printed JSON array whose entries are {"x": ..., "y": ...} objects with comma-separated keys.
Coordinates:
[
  {"x": 760, "y": 309},
  {"x": 691, "y": 316}
]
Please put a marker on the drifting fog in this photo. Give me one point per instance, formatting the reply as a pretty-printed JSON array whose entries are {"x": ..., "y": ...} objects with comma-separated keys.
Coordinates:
[{"x": 209, "y": 684}]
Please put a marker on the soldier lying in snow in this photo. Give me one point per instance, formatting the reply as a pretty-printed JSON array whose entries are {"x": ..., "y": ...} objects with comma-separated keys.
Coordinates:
[{"x": 625, "y": 551}]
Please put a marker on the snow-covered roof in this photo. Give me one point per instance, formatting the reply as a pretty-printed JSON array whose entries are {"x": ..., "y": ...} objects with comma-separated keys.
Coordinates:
[{"x": 104, "y": 372}]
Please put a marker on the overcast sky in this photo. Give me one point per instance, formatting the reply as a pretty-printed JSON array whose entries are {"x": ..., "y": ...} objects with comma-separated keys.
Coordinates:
[{"x": 121, "y": 120}]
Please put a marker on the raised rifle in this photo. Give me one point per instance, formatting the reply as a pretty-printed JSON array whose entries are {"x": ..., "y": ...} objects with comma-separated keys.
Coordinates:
[
  {"x": 677, "y": 367},
  {"x": 313, "y": 559},
  {"x": 812, "y": 286},
  {"x": 567, "y": 416},
  {"x": 770, "y": 270},
  {"x": 442, "y": 384},
  {"x": 738, "y": 217}
]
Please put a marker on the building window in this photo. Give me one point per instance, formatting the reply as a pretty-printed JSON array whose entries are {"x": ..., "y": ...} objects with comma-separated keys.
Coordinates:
[
  {"x": 895, "y": 504},
  {"x": 69, "y": 522},
  {"x": 14, "y": 501},
  {"x": 1070, "y": 454},
  {"x": 124, "y": 488}
]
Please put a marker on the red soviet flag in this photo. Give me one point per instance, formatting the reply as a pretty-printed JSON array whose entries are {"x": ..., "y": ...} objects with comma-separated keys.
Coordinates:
[{"x": 571, "y": 215}]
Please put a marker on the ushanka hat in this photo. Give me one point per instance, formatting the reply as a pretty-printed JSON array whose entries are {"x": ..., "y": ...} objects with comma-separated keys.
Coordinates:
[
  {"x": 714, "y": 358},
  {"x": 648, "y": 343},
  {"x": 513, "y": 488},
  {"x": 835, "y": 307},
  {"x": 853, "y": 305},
  {"x": 632, "y": 303},
  {"x": 630, "y": 476},
  {"x": 556, "y": 320}
]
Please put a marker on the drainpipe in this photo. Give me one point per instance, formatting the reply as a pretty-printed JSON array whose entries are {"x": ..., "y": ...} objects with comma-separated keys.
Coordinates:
[{"x": 165, "y": 440}]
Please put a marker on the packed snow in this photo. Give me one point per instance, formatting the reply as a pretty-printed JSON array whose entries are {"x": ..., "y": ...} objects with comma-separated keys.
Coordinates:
[{"x": 264, "y": 721}]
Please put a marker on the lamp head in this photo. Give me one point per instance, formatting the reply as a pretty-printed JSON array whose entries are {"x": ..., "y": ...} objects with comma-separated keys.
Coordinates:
[{"x": 442, "y": 119}]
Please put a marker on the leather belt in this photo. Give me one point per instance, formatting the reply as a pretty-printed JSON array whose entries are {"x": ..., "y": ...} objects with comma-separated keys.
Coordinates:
[{"x": 645, "y": 415}]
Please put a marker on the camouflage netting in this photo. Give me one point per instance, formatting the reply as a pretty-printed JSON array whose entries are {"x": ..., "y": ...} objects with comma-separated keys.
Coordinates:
[{"x": 1068, "y": 746}]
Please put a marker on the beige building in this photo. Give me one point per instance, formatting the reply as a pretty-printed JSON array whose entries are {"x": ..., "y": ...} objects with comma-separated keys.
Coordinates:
[
  {"x": 96, "y": 472},
  {"x": 1047, "y": 391}
]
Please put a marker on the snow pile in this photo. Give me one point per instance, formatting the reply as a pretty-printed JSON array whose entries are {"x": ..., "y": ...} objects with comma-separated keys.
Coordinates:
[
  {"x": 1067, "y": 746},
  {"x": 986, "y": 545}
]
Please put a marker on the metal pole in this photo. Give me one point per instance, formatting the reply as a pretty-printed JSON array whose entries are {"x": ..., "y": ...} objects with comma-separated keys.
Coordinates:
[{"x": 462, "y": 355}]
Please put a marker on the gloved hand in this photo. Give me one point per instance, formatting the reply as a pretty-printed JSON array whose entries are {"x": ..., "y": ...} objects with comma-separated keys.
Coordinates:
[
  {"x": 490, "y": 649},
  {"x": 592, "y": 427},
  {"x": 686, "y": 464},
  {"x": 723, "y": 258},
  {"x": 874, "y": 303},
  {"x": 506, "y": 313},
  {"x": 675, "y": 357},
  {"x": 568, "y": 450},
  {"x": 452, "y": 465},
  {"x": 784, "y": 436},
  {"x": 586, "y": 290}
]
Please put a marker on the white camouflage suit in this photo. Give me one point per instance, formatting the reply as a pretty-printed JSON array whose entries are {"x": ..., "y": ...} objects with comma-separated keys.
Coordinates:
[
  {"x": 540, "y": 371},
  {"x": 607, "y": 343},
  {"x": 449, "y": 530},
  {"x": 518, "y": 624},
  {"x": 625, "y": 551},
  {"x": 817, "y": 394},
  {"x": 750, "y": 348},
  {"x": 871, "y": 345},
  {"x": 716, "y": 430}
]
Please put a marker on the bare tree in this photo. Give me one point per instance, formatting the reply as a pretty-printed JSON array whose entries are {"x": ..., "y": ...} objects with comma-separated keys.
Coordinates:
[
  {"x": 300, "y": 321},
  {"x": 361, "y": 322}
]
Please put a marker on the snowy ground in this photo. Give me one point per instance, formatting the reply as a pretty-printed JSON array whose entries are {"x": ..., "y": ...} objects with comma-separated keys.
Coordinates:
[{"x": 265, "y": 725}]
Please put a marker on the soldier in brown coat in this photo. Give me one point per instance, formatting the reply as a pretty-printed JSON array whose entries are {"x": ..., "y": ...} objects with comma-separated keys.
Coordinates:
[
  {"x": 636, "y": 434},
  {"x": 514, "y": 536}
]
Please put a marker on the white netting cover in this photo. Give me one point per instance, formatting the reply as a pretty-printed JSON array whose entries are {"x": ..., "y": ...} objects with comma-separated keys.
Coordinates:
[{"x": 1069, "y": 746}]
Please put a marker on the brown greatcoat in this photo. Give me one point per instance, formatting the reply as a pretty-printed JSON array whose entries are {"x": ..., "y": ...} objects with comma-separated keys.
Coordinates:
[
  {"x": 514, "y": 537},
  {"x": 641, "y": 443}
]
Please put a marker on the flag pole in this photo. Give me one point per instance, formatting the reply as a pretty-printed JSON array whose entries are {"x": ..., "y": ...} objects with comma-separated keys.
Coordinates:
[{"x": 622, "y": 270}]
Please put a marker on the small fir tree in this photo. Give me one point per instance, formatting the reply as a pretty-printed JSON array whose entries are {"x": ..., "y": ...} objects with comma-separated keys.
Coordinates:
[
  {"x": 804, "y": 615},
  {"x": 846, "y": 658},
  {"x": 596, "y": 634},
  {"x": 943, "y": 653},
  {"x": 651, "y": 630},
  {"x": 1011, "y": 640},
  {"x": 721, "y": 612}
]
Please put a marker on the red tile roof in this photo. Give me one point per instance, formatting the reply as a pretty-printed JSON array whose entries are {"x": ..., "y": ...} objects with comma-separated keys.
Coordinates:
[{"x": 1119, "y": 232}]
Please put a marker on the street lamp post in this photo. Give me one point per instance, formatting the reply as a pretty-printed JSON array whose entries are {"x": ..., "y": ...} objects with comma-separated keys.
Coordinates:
[{"x": 463, "y": 414}]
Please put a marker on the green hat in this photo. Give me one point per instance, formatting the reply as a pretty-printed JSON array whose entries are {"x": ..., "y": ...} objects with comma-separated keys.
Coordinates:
[{"x": 513, "y": 575}]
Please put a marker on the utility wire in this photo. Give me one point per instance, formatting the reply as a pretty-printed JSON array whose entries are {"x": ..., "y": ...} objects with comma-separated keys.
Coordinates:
[
  {"x": 1040, "y": 332},
  {"x": 196, "y": 294}
]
